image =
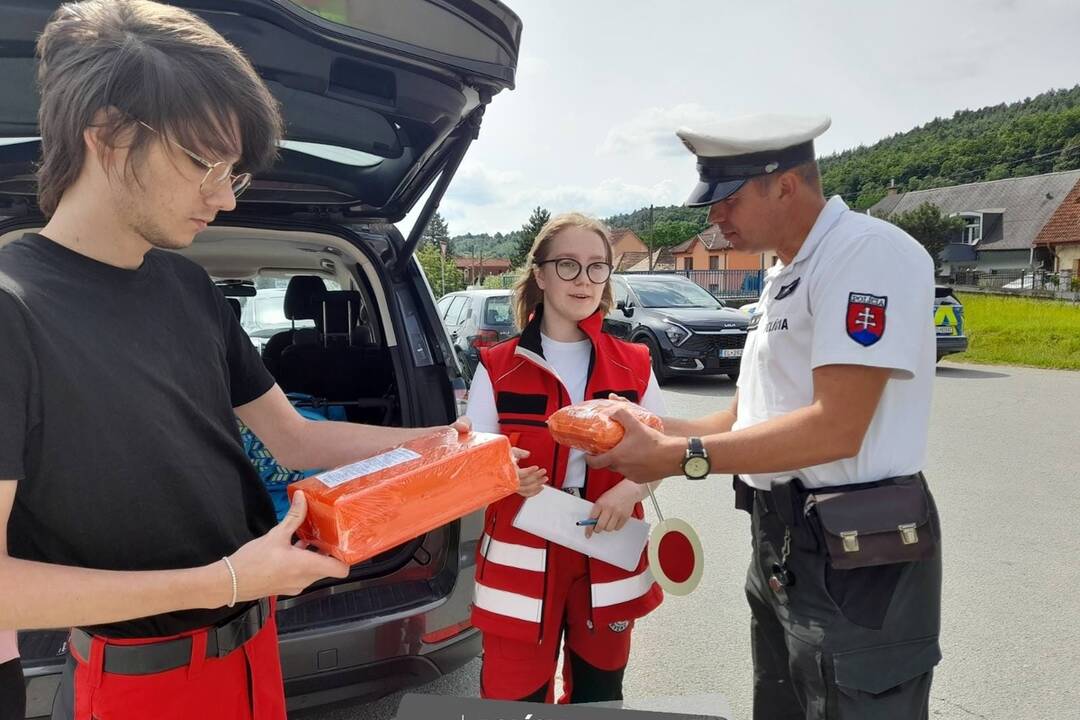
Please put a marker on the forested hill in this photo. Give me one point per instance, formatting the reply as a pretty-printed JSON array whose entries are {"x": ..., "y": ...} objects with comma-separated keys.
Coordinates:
[{"x": 1036, "y": 135}]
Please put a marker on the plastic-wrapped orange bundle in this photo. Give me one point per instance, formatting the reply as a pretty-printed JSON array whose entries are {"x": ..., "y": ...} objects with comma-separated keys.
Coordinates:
[
  {"x": 588, "y": 426},
  {"x": 360, "y": 510}
]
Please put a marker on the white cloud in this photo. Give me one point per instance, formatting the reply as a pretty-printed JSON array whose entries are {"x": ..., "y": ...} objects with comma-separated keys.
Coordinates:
[
  {"x": 484, "y": 199},
  {"x": 653, "y": 131}
]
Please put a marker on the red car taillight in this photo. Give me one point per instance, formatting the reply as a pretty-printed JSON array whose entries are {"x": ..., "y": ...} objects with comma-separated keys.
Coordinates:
[{"x": 484, "y": 338}]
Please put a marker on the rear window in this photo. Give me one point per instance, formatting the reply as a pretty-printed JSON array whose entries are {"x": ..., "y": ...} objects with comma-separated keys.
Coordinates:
[
  {"x": 673, "y": 294},
  {"x": 263, "y": 316},
  {"x": 497, "y": 311}
]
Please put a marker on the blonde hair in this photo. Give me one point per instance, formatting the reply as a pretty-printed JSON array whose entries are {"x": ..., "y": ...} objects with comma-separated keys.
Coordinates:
[{"x": 527, "y": 292}]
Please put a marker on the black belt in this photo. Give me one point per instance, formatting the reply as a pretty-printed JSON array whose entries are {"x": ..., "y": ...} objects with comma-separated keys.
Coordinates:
[
  {"x": 747, "y": 496},
  {"x": 786, "y": 497},
  {"x": 159, "y": 657}
]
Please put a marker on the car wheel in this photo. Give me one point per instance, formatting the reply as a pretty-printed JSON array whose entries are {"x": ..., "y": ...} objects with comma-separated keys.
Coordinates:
[{"x": 657, "y": 359}]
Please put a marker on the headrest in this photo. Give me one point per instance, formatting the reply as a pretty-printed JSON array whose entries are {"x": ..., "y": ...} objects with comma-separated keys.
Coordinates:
[
  {"x": 342, "y": 308},
  {"x": 302, "y": 297}
]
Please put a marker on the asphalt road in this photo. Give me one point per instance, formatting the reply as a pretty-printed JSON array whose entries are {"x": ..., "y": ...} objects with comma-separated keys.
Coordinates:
[{"x": 1004, "y": 467}]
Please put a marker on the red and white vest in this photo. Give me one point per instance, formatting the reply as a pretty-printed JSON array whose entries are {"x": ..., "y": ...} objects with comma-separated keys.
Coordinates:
[{"x": 511, "y": 563}]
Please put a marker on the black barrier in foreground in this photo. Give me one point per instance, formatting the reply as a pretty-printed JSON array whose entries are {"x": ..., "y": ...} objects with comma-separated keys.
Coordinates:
[{"x": 442, "y": 707}]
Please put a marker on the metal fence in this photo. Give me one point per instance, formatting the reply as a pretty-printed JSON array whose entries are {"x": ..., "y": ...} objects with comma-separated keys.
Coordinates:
[
  {"x": 723, "y": 284},
  {"x": 1019, "y": 281}
]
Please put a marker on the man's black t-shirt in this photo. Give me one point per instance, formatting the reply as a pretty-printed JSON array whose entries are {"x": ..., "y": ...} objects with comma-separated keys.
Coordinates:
[{"x": 117, "y": 390}]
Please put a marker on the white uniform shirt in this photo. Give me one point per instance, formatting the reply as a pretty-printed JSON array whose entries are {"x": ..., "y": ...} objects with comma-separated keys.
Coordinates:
[
  {"x": 571, "y": 362},
  {"x": 860, "y": 291}
]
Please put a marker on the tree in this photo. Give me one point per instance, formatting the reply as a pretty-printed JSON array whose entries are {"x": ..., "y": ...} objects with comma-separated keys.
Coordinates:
[
  {"x": 436, "y": 232},
  {"x": 529, "y": 231},
  {"x": 932, "y": 229},
  {"x": 670, "y": 233},
  {"x": 443, "y": 275}
]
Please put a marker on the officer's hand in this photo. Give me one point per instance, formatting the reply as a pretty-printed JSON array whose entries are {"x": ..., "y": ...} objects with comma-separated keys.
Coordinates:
[
  {"x": 272, "y": 565},
  {"x": 463, "y": 425},
  {"x": 614, "y": 508},
  {"x": 644, "y": 454}
]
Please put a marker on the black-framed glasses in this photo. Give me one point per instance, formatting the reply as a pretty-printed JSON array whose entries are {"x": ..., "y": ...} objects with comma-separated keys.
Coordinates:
[
  {"x": 568, "y": 269},
  {"x": 217, "y": 173}
]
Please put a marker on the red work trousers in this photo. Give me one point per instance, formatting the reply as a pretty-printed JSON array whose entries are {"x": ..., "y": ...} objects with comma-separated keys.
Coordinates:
[
  {"x": 594, "y": 658},
  {"x": 244, "y": 685}
]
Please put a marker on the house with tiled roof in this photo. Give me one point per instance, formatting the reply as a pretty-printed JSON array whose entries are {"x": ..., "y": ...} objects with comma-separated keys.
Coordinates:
[
  {"x": 624, "y": 240},
  {"x": 1061, "y": 234},
  {"x": 1004, "y": 221},
  {"x": 710, "y": 250},
  {"x": 474, "y": 270},
  {"x": 662, "y": 261}
]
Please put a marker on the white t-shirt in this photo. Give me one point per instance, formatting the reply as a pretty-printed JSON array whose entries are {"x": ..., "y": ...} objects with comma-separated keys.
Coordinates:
[
  {"x": 570, "y": 360},
  {"x": 860, "y": 291}
]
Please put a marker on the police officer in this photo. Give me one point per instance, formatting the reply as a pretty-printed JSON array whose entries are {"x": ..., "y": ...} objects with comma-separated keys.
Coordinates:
[{"x": 826, "y": 436}]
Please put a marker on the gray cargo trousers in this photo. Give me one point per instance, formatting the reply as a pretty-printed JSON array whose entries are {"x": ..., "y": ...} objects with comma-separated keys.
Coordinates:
[{"x": 837, "y": 644}]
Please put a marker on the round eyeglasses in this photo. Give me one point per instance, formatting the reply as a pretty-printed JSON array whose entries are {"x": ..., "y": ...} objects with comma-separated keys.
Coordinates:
[
  {"x": 568, "y": 269},
  {"x": 217, "y": 173}
]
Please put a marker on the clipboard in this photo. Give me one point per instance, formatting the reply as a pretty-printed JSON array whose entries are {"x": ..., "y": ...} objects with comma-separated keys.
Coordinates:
[{"x": 553, "y": 515}]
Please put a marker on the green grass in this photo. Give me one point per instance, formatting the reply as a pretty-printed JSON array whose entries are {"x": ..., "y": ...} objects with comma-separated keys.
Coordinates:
[{"x": 1021, "y": 331}]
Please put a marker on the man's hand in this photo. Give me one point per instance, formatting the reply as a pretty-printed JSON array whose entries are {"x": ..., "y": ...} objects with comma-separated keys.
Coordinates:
[
  {"x": 463, "y": 425},
  {"x": 614, "y": 508},
  {"x": 272, "y": 565},
  {"x": 644, "y": 454}
]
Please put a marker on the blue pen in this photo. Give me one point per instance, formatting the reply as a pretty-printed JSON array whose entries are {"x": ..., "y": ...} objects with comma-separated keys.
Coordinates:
[{"x": 590, "y": 521}]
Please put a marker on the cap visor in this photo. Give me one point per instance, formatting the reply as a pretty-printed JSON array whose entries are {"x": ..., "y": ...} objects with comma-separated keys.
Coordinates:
[{"x": 707, "y": 193}]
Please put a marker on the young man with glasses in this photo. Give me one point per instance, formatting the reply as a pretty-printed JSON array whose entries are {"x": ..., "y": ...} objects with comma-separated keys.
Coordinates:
[{"x": 128, "y": 510}]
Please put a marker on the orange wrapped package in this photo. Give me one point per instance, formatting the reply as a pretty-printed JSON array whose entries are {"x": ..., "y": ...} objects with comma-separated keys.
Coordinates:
[
  {"x": 360, "y": 510},
  {"x": 588, "y": 426}
]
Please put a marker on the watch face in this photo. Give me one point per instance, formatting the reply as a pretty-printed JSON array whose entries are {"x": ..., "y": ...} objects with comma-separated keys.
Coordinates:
[{"x": 696, "y": 467}]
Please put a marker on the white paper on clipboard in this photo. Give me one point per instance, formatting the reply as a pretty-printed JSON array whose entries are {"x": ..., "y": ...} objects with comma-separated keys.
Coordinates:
[{"x": 553, "y": 515}]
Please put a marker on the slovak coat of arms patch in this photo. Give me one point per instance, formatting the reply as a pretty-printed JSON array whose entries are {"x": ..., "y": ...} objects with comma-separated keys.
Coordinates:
[{"x": 866, "y": 318}]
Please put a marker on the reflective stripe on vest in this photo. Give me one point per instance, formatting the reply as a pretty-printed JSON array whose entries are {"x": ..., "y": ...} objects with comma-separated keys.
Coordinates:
[
  {"x": 620, "y": 591},
  {"x": 512, "y": 555},
  {"x": 509, "y": 604}
]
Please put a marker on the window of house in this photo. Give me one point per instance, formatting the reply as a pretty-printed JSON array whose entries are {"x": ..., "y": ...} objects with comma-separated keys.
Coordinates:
[
  {"x": 714, "y": 262},
  {"x": 688, "y": 263},
  {"x": 972, "y": 228}
]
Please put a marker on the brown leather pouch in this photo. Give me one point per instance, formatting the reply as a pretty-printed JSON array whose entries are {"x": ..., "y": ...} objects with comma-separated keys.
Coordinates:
[{"x": 879, "y": 525}]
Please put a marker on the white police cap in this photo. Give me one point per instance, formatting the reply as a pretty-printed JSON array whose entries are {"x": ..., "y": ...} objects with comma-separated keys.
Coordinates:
[{"x": 731, "y": 152}]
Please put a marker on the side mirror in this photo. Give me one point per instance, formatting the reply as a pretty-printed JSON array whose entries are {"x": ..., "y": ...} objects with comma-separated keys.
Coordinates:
[{"x": 626, "y": 307}]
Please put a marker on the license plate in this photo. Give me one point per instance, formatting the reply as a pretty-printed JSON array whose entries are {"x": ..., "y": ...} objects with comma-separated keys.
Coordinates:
[
  {"x": 946, "y": 330},
  {"x": 731, "y": 353}
]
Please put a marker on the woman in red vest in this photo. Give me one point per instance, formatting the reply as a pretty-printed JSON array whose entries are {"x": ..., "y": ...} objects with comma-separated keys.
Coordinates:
[{"x": 531, "y": 594}]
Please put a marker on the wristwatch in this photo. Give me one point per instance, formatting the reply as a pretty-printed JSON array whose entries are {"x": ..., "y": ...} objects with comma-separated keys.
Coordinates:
[{"x": 696, "y": 464}]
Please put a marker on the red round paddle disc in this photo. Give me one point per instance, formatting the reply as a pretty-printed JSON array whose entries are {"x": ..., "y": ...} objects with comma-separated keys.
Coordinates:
[{"x": 675, "y": 556}]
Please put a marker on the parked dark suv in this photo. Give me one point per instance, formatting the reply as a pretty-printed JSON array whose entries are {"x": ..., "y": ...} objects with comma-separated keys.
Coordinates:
[
  {"x": 374, "y": 121},
  {"x": 688, "y": 331},
  {"x": 476, "y": 319}
]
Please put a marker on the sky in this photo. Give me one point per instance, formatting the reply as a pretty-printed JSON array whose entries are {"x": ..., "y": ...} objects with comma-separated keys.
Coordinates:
[{"x": 603, "y": 84}]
